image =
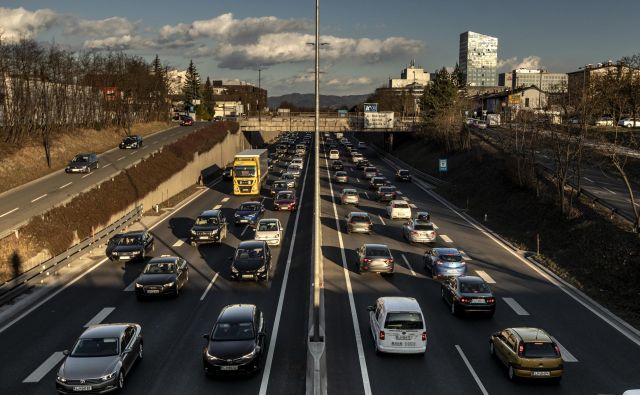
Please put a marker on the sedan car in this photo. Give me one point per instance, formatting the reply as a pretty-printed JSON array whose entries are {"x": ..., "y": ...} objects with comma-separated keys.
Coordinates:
[
  {"x": 527, "y": 353},
  {"x": 209, "y": 227},
  {"x": 252, "y": 260},
  {"x": 279, "y": 186},
  {"x": 444, "y": 262},
  {"x": 131, "y": 246},
  {"x": 285, "y": 201},
  {"x": 629, "y": 123},
  {"x": 269, "y": 230},
  {"x": 162, "y": 276},
  {"x": 83, "y": 163},
  {"x": 248, "y": 213},
  {"x": 100, "y": 359},
  {"x": 369, "y": 172},
  {"x": 468, "y": 293},
  {"x": 403, "y": 175},
  {"x": 419, "y": 231},
  {"x": 399, "y": 209},
  {"x": 375, "y": 258},
  {"x": 362, "y": 164},
  {"x": 186, "y": 121},
  {"x": 358, "y": 222},
  {"x": 337, "y": 165},
  {"x": 291, "y": 180},
  {"x": 349, "y": 196},
  {"x": 294, "y": 169},
  {"x": 134, "y": 142},
  {"x": 341, "y": 177},
  {"x": 237, "y": 341},
  {"x": 377, "y": 182},
  {"x": 386, "y": 193}
]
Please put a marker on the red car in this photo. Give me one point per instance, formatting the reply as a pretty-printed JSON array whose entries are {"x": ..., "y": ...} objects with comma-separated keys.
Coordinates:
[
  {"x": 387, "y": 193},
  {"x": 186, "y": 122},
  {"x": 285, "y": 200}
]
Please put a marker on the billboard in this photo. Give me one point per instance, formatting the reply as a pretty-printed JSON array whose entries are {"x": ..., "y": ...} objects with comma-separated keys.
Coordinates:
[
  {"x": 378, "y": 120},
  {"x": 370, "y": 107}
]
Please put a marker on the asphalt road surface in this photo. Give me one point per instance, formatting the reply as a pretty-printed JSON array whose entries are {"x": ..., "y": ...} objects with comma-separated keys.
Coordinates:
[{"x": 23, "y": 202}]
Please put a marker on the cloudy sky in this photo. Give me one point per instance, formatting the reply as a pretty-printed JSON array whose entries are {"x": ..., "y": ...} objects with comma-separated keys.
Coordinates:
[{"x": 368, "y": 40}]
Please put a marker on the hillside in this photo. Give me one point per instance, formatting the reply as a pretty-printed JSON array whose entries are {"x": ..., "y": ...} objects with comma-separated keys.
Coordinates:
[{"x": 307, "y": 100}]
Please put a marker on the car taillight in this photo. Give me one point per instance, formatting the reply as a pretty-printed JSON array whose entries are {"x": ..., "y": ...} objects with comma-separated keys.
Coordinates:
[
  {"x": 521, "y": 349},
  {"x": 424, "y": 336},
  {"x": 439, "y": 262},
  {"x": 491, "y": 300},
  {"x": 465, "y": 300},
  {"x": 432, "y": 234},
  {"x": 381, "y": 335},
  {"x": 366, "y": 260}
]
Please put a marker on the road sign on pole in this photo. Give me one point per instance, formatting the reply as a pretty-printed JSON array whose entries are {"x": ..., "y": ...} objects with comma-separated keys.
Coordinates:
[{"x": 442, "y": 165}]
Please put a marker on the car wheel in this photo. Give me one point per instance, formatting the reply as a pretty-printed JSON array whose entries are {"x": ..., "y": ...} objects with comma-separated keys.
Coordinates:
[
  {"x": 511, "y": 373},
  {"x": 140, "y": 353},
  {"x": 120, "y": 381},
  {"x": 454, "y": 311}
]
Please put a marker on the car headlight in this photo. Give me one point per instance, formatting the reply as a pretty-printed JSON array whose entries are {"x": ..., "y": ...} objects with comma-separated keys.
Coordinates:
[
  {"x": 114, "y": 253},
  {"x": 236, "y": 215},
  {"x": 193, "y": 232},
  {"x": 108, "y": 376},
  {"x": 250, "y": 355},
  {"x": 169, "y": 285},
  {"x": 61, "y": 379},
  {"x": 233, "y": 269},
  {"x": 262, "y": 269},
  {"x": 211, "y": 357},
  {"x": 136, "y": 252},
  {"x": 139, "y": 285}
]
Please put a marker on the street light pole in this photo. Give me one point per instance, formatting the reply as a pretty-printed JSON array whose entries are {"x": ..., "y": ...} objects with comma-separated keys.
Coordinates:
[{"x": 317, "y": 236}]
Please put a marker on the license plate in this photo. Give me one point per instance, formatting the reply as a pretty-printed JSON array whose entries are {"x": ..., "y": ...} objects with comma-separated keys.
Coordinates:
[
  {"x": 450, "y": 271},
  {"x": 82, "y": 388},
  {"x": 387, "y": 195},
  {"x": 232, "y": 367},
  {"x": 544, "y": 374},
  {"x": 396, "y": 344},
  {"x": 243, "y": 220},
  {"x": 203, "y": 237},
  {"x": 153, "y": 291},
  {"x": 124, "y": 258},
  {"x": 400, "y": 337},
  {"x": 477, "y": 300},
  {"x": 247, "y": 276}
]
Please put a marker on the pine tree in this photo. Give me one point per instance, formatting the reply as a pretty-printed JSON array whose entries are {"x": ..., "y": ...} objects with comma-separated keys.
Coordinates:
[
  {"x": 207, "y": 96},
  {"x": 191, "y": 88}
]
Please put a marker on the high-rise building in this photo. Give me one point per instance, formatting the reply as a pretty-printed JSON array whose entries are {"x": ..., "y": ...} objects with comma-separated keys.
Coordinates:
[{"x": 478, "y": 59}]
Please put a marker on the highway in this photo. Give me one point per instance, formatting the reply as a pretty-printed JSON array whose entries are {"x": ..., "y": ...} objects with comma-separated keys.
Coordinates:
[
  {"x": 19, "y": 204},
  {"x": 600, "y": 358}
]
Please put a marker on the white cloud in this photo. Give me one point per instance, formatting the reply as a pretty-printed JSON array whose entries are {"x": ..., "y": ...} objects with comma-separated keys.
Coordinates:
[
  {"x": 529, "y": 62},
  {"x": 122, "y": 43},
  {"x": 348, "y": 82},
  {"x": 17, "y": 23},
  {"x": 114, "y": 26}
]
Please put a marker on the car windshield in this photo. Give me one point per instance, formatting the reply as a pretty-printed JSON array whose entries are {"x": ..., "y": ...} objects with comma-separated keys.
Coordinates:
[
  {"x": 268, "y": 226},
  {"x": 249, "y": 207},
  {"x": 403, "y": 172},
  {"x": 207, "y": 221},
  {"x": 387, "y": 189},
  {"x": 539, "y": 350},
  {"x": 129, "y": 140},
  {"x": 350, "y": 192},
  {"x": 374, "y": 251},
  {"x": 279, "y": 184},
  {"x": 95, "y": 347},
  {"x": 287, "y": 176},
  {"x": 80, "y": 158},
  {"x": 341, "y": 173},
  {"x": 405, "y": 321},
  {"x": 360, "y": 218},
  {"x": 160, "y": 268},
  {"x": 288, "y": 195},
  {"x": 244, "y": 171},
  {"x": 249, "y": 253},
  {"x": 225, "y": 331},
  {"x": 473, "y": 288},
  {"x": 423, "y": 227},
  {"x": 370, "y": 169},
  {"x": 130, "y": 241},
  {"x": 400, "y": 205},
  {"x": 451, "y": 258}
]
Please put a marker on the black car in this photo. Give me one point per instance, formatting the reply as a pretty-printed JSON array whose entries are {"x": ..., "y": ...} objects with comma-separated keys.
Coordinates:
[
  {"x": 83, "y": 163},
  {"x": 362, "y": 163},
  {"x": 468, "y": 293},
  {"x": 279, "y": 186},
  {"x": 131, "y": 142},
  {"x": 236, "y": 342},
  {"x": 403, "y": 175},
  {"x": 227, "y": 173},
  {"x": 131, "y": 246},
  {"x": 248, "y": 213},
  {"x": 113, "y": 241},
  {"x": 377, "y": 182},
  {"x": 162, "y": 276},
  {"x": 252, "y": 260},
  {"x": 337, "y": 165},
  {"x": 209, "y": 227}
]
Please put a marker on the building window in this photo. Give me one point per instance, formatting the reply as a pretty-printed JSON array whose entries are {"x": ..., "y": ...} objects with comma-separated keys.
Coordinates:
[{"x": 526, "y": 102}]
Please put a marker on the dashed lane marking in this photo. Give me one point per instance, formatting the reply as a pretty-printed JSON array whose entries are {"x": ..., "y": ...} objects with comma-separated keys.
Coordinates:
[
  {"x": 38, "y": 198},
  {"x": 66, "y": 185},
  {"x": 566, "y": 355},
  {"x": 609, "y": 190},
  {"x": 87, "y": 175},
  {"x": 217, "y": 206},
  {"x": 515, "y": 306},
  {"x": 446, "y": 239},
  {"x": 206, "y": 291},
  {"x": 120, "y": 158},
  {"x": 408, "y": 265},
  {"x": 471, "y": 370},
  {"x": 225, "y": 200},
  {"x": 44, "y": 368},
  {"x": 178, "y": 243},
  {"x": 381, "y": 220},
  {"x": 486, "y": 277},
  {"x": 464, "y": 255},
  {"x": 98, "y": 318},
  {"x": 412, "y": 205}
]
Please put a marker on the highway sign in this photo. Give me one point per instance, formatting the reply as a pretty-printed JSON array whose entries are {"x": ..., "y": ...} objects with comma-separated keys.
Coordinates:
[
  {"x": 443, "y": 165},
  {"x": 370, "y": 107}
]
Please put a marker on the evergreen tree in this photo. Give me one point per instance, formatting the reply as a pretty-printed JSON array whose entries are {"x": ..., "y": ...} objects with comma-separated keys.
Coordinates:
[
  {"x": 191, "y": 88},
  {"x": 207, "y": 96},
  {"x": 458, "y": 77}
]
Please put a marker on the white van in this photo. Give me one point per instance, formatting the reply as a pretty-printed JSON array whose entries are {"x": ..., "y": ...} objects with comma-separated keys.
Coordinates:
[
  {"x": 398, "y": 326},
  {"x": 334, "y": 154}
]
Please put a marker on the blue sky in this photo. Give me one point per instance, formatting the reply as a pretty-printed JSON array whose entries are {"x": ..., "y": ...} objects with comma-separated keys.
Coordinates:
[{"x": 369, "y": 40}]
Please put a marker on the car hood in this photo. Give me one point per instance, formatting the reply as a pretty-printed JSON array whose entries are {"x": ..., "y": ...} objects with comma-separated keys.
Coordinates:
[
  {"x": 205, "y": 228},
  {"x": 87, "y": 368},
  {"x": 266, "y": 234},
  {"x": 248, "y": 264},
  {"x": 156, "y": 279},
  {"x": 283, "y": 201},
  {"x": 127, "y": 248},
  {"x": 231, "y": 349},
  {"x": 76, "y": 165},
  {"x": 246, "y": 213}
]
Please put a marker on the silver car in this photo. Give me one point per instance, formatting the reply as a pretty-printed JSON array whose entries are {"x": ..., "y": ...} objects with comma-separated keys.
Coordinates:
[
  {"x": 101, "y": 359},
  {"x": 349, "y": 196},
  {"x": 290, "y": 179},
  {"x": 341, "y": 176},
  {"x": 417, "y": 231},
  {"x": 294, "y": 169},
  {"x": 358, "y": 222}
]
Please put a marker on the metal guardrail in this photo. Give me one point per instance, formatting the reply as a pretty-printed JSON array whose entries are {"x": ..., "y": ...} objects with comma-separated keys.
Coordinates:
[
  {"x": 16, "y": 286},
  {"x": 420, "y": 174}
]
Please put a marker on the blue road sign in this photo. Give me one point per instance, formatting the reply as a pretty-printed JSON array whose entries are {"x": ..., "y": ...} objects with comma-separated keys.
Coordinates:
[{"x": 443, "y": 165}]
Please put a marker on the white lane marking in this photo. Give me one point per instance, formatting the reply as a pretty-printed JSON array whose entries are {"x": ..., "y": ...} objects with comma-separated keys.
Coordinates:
[
  {"x": 471, "y": 370},
  {"x": 566, "y": 355},
  {"x": 217, "y": 206},
  {"x": 357, "y": 179},
  {"x": 486, "y": 277},
  {"x": 107, "y": 165},
  {"x": 133, "y": 153},
  {"x": 131, "y": 287},
  {"x": 87, "y": 175},
  {"x": 399, "y": 193},
  {"x": 406, "y": 199},
  {"x": 44, "y": 368},
  {"x": 621, "y": 326},
  {"x": 412, "y": 205},
  {"x": 588, "y": 179},
  {"x": 206, "y": 291},
  {"x": 225, "y": 200},
  {"x": 515, "y": 306},
  {"x": 98, "y": 318},
  {"x": 120, "y": 158},
  {"x": 435, "y": 227},
  {"x": 244, "y": 230},
  {"x": 264, "y": 383},
  {"x": 354, "y": 316},
  {"x": 66, "y": 185},
  {"x": 178, "y": 243},
  {"x": 38, "y": 198},
  {"x": 609, "y": 190},
  {"x": 92, "y": 268},
  {"x": 464, "y": 255},
  {"x": 381, "y": 220},
  {"x": 366, "y": 194},
  {"x": 409, "y": 265},
  {"x": 446, "y": 238},
  {"x": 145, "y": 147}
]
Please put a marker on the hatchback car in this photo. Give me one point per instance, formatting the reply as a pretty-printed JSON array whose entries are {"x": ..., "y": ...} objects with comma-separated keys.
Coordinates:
[
  {"x": 269, "y": 230},
  {"x": 444, "y": 262},
  {"x": 248, "y": 213},
  {"x": 186, "y": 121},
  {"x": 337, "y": 165},
  {"x": 285, "y": 201},
  {"x": 236, "y": 341},
  {"x": 419, "y": 231},
  {"x": 298, "y": 161},
  {"x": 362, "y": 164},
  {"x": 377, "y": 182},
  {"x": 334, "y": 154},
  {"x": 358, "y": 222},
  {"x": 83, "y": 163},
  {"x": 209, "y": 227},
  {"x": 100, "y": 359},
  {"x": 279, "y": 186},
  {"x": 162, "y": 276},
  {"x": 356, "y": 157},
  {"x": 131, "y": 142},
  {"x": 349, "y": 196},
  {"x": 294, "y": 169},
  {"x": 375, "y": 258},
  {"x": 131, "y": 246},
  {"x": 527, "y": 353},
  {"x": 341, "y": 177},
  {"x": 403, "y": 175},
  {"x": 398, "y": 209},
  {"x": 290, "y": 179},
  {"x": 386, "y": 193},
  {"x": 252, "y": 260},
  {"x": 468, "y": 293},
  {"x": 369, "y": 172},
  {"x": 398, "y": 326}
]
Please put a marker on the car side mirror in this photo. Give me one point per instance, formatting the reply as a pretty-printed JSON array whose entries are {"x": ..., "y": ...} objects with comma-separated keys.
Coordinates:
[
  {"x": 206, "y": 336},
  {"x": 66, "y": 352},
  {"x": 370, "y": 308}
]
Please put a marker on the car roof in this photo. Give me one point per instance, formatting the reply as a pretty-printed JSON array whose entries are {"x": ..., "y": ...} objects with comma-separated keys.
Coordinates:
[
  {"x": 400, "y": 303},
  {"x": 421, "y": 222},
  {"x": 163, "y": 259},
  {"x": 137, "y": 233},
  {"x": 269, "y": 220},
  {"x": 237, "y": 313},
  {"x": 470, "y": 279},
  {"x": 349, "y": 190},
  {"x": 447, "y": 251},
  {"x": 373, "y": 245},
  {"x": 210, "y": 213},
  {"x": 104, "y": 330},
  {"x": 360, "y": 214},
  {"x": 251, "y": 244},
  {"x": 532, "y": 334},
  {"x": 398, "y": 201}
]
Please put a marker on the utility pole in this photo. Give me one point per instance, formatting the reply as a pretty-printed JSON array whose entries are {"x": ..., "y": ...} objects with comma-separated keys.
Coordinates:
[{"x": 317, "y": 236}]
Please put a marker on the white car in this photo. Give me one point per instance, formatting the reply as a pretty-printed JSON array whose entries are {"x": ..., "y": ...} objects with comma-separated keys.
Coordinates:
[
  {"x": 357, "y": 157},
  {"x": 629, "y": 122},
  {"x": 297, "y": 161},
  {"x": 294, "y": 169},
  {"x": 334, "y": 154},
  {"x": 398, "y": 326},
  {"x": 399, "y": 209},
  {"x": 269, "y": 230}
]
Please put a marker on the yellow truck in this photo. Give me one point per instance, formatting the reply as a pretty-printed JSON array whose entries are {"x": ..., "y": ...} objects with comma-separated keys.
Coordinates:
[{"x": 250, "y": 170}]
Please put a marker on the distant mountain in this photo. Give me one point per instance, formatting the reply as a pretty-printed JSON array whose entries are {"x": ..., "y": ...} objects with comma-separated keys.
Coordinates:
[{"x": 307, "y": 100}]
